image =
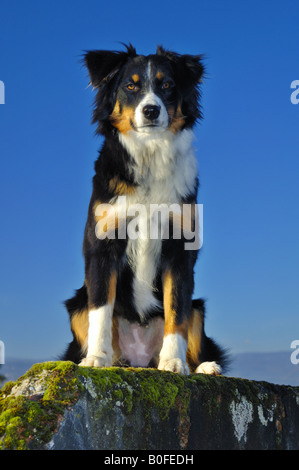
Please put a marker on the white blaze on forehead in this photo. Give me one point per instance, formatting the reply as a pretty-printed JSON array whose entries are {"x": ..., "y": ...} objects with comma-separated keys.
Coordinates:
[
  {"x": 149, "y": 70},
  {"x": 150, "y": 98}
]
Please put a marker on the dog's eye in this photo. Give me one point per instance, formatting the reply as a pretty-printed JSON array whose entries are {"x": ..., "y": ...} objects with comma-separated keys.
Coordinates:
[
  {"x": 166, "y": 85},
  {"x": 131, "y": 87}
]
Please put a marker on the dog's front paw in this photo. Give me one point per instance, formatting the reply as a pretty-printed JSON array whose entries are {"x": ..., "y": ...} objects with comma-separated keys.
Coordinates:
[
  {"x": 96, "y": 361},
  {"x": 174, "y": 365},
  {"x": 211, "y": 368}
]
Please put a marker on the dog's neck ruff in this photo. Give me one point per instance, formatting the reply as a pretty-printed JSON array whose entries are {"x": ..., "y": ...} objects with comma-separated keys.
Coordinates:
[{"x": 162, "y": 155}]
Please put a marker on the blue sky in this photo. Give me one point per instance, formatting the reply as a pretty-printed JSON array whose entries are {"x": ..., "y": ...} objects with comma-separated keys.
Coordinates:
[{"x": 247, "y": 148}]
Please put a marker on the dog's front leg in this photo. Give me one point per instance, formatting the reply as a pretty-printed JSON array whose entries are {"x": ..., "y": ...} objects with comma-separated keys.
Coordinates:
[
  {"x": 176, "y": 313},
  {"x": 101, "y": 293}
]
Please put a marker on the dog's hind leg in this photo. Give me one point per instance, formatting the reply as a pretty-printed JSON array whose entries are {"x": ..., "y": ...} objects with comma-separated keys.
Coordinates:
[
  {"x": 203, "y": 354},
  {"x": 77, "y": 308}
]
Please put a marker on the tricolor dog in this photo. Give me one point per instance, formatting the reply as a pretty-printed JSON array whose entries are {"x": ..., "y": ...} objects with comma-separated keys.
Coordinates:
[{"x": 135, "y": 307}]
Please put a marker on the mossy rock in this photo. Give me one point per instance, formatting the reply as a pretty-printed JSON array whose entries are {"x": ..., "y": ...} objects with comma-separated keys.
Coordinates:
[{"x": 59, "y": 405}]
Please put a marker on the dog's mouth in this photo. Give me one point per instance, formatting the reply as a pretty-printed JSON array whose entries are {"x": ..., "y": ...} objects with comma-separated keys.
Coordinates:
[{"x": 148, "y": 125}]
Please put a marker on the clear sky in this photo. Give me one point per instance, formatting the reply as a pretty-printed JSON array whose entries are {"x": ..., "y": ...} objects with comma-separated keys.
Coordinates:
[{"x": 247, "y": 148}]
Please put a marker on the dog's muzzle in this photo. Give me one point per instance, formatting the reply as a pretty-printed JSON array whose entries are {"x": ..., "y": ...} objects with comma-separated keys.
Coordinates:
[{"x": 151, "y": 112}]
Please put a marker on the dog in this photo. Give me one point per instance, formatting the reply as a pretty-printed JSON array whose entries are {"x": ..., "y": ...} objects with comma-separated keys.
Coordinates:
[{"x": 135, "y": 307}]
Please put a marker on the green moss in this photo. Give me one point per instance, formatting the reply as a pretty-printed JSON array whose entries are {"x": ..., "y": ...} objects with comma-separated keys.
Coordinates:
[
  {"x": 128, "y": 386},
  {"x": 110, "y": 386},
  {"x": 20, "y": 420},
  {"x": 159, "y": 390},
  {"x": 35, "y": 417}
]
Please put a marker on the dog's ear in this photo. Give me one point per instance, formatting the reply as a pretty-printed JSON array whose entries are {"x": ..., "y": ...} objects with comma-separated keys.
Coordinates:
[
  {"x": 188, "y": 68},
  {"x": 194, "y": 65},
  {"x": 104, "y": 65}
]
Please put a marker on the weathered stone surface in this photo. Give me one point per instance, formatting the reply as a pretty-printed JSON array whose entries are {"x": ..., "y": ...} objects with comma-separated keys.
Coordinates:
[{"x": 58, "y": 405}]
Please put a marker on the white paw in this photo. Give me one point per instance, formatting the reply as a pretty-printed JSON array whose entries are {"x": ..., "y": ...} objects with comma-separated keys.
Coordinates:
[
  {"x": 211, "y": 368},
  {"x": 96, "y": 361},
  {"x": 174, "y": 365}
]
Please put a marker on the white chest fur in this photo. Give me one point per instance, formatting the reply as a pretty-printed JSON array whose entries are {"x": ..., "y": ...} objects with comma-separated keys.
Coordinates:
[{"x": 166, "y": 170}]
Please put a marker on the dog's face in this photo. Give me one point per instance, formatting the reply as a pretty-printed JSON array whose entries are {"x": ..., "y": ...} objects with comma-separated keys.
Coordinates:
[
  {"x": 147, "y": 97},
  {"x": 145, "y": 94}
]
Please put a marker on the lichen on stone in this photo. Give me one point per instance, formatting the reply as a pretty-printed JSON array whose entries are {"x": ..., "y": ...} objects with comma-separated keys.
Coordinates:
[{"x": 242, "y": 416}]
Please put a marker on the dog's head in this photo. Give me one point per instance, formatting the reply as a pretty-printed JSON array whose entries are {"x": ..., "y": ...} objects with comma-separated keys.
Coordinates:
[{"x": 145, "y": 94}]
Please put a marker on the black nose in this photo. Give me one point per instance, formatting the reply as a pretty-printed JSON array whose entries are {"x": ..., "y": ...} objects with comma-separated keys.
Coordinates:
[{"x": 151, "y": 111}]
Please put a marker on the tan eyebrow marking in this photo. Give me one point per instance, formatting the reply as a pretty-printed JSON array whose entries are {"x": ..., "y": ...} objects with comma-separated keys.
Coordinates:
[
  {"x": 135, "y": 77},
  {"x": 160, "y": 75}
]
